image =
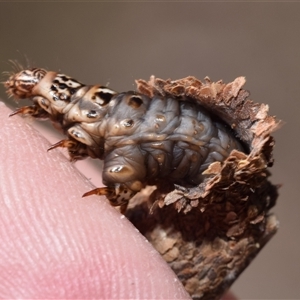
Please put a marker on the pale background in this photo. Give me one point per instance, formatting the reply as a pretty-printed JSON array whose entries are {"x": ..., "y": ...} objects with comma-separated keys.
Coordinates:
[{"x": 120, "y": 42}]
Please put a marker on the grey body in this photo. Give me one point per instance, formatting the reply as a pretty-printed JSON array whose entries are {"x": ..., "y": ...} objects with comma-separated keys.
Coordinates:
[{"x": 141, "y": 140}]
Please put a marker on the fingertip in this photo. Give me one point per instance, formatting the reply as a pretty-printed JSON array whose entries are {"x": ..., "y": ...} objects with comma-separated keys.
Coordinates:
[
  {"x": 56, "y": 244},
  {"x": 229, "y": 296}
]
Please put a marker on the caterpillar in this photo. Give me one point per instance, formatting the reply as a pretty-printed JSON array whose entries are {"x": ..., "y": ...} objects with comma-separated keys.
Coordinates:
[{"x": 142, "y": 141}]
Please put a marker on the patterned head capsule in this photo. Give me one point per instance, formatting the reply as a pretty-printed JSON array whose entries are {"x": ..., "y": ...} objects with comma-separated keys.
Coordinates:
[{"x": 20, "y": 85}]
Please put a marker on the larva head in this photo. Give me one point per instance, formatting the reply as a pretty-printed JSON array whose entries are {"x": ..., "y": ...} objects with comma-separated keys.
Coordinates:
[{"x": 20, "y": 85}]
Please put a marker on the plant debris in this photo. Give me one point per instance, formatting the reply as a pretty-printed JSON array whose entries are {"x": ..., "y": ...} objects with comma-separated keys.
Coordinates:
[{"x": 209, "y": 233}]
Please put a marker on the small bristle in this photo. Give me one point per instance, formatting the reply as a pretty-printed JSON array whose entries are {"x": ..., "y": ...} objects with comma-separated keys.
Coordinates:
[
  {"x": 7, "y": 73},
  {"x": 16, "y": 66},
  {"x": 9, "y": 94},
  {"x": 4, "y": 83}
]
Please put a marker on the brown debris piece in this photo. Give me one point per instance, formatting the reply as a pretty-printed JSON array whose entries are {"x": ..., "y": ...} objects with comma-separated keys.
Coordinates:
[{"x": 209, "y": 233}]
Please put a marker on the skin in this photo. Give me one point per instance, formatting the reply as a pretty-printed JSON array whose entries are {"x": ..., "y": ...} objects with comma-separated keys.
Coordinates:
[{"x": 55, "y": 244}]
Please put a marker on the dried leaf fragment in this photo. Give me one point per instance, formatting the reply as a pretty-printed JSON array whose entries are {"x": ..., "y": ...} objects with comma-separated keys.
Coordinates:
[{"x": 210, "y": 233}]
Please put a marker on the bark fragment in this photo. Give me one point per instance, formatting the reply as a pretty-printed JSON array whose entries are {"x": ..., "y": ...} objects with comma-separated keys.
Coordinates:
[{"x": 209, "y": 233}]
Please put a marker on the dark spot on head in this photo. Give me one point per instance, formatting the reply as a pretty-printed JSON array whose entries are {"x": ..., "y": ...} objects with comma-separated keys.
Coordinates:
[
  {"x": 62, "y": 86},
  {"x": 92, "y": 114},
  {"x": 106, "y": 97},
  {"x": 53, "y": 88},
  {"x": 64, "y": 78},
  {"x": 135, "y": 101},
  {"x": 128, "y": 123},
  {"x": 72, "y": 91}
]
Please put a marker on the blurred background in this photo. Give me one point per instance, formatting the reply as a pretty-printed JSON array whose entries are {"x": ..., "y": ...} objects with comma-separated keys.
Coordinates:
[{"x": 117, "y": 43}]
